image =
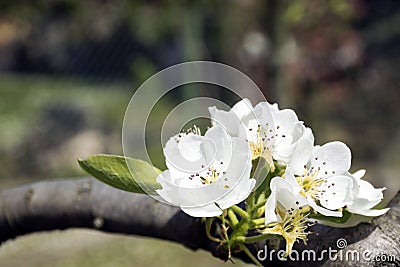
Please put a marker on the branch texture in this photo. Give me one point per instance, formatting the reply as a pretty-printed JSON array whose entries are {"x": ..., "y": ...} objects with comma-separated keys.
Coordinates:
[{"x": 87, "y": 203}]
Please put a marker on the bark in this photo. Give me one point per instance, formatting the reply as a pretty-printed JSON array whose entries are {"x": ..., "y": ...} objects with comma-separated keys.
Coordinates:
[{"x": 87, "y": 203}]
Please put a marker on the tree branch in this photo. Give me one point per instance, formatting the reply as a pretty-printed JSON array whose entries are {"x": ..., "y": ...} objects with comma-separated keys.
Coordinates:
[{"x": 87, "y": 203}]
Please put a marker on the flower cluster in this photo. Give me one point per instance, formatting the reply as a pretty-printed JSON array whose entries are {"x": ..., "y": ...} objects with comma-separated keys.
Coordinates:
[{"x": 267, "y": 157}]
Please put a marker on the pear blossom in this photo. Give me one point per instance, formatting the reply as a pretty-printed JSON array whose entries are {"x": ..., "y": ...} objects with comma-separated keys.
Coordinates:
[
  {"x": 271, "y": 133},
  {"x": 321, "y": 174},
  {"x": 367, "y": 197},
  {"x": 285, "y": 213},
  {"x": 206, "y": 174}
]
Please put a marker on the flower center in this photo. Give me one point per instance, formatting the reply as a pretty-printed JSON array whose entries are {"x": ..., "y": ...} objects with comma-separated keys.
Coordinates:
[
  {"x": 310, "y": 182},
  {"x": 295, "y": 223},
  {"x": 259, "y": 147},
  {"x": 292, "y": 227},
  {"x": 211, "y": 176}
]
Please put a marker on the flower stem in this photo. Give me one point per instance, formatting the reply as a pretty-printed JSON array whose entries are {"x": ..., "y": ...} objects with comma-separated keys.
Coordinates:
[
  {"x": 208, "y": 223},
  {"x": 225, "y": 232},
  {"x": 258, "y": 221},
  {"x": 232, "y": 217},
  {"x": 259, "y": 205},
  {"x": 225, "y": 220},
  {"x": 241, "y": 212},
  {"x": 253, "y": 239}
]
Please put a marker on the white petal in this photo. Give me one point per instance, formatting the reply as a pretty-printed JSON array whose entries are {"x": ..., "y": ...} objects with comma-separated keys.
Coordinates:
[
  {"x": 228, "y": 120},
  {"x": 367, "y": 191},
  {"x": 302, "y": 154},
  {"x": 371, "y": 213},
  {"x": 260, "y": 116},
  {"x": 240, "y": 164},
  {"x": 322, "y": 210},
  {"x": 290, "y": 178},
  {"x": 270, "y": 205},
  {"x": 289, "y": 200},
  {"x": 359, "y": 174},
  {"x": 222, "y": 144},
  {"x": 231, "y": 120},
  {"x": 186, "y": 157},
  {"x": 331, "y": 158},
  {"x": 173, "y": 193},
  {"x": 242, "y": 108},
  {"x": 248, "y": 130},
  {"x": 189, "y": 147},
  {"x": 285, "y": 120},
  {"x": 367, "y": 198},
  {"x": 263, "y": 113},
  {"x": 338, "y": 192},
  {"x": 209, "y": 210},
  {"x": 362, "y": 204},
  {"x": 238, "y": 194},
  {"x": 282, "y": 192},
  {"x": 286, "y": 141},
  {"x": 273, "y": 106}
]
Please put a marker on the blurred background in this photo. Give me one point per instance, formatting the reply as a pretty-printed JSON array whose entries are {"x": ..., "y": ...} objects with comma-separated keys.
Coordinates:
[{"x": 68, "y": 69}]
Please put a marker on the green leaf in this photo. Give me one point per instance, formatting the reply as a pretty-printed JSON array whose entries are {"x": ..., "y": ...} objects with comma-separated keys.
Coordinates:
[
  {"x": 262, "y": 173},
  {"x": 113, "y": 170},
  {"x": 345, "y": 217}
]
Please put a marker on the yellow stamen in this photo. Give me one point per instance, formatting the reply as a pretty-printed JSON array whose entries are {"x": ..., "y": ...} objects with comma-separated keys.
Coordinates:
[
  {"x": 292, "y": 227},
  {"x": 259, "y": 148},
  {"x": 310, "y": 183},
  {"x": 211, "y": 177}
]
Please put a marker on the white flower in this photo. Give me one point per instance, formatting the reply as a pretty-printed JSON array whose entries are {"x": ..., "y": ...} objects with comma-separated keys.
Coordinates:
[
  {"x": 367, "y": 198},
  {"x": 283, "y": 196},
  {"x": 272, "y": 133},
  {"x": 284, "y": 212},
  {"x": 321, "y": 173},
  {"x": 206, "y": 173}
]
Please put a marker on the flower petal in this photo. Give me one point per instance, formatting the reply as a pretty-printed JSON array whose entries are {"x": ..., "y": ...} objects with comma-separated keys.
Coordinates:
[
  {"x": 337, "y": 192},
  {"x": 359, "y": 174},
  {"x": 238, "y": 194},
  {"x": 186, "y": 157},
  {"x": 222, "y": 145},
  {"x": 367, "y": 198},
  {"x": 302, "y": 152},
  {"x": 322, "y": 210},
  {"x": 331, "y": 158},
  {"x": 285, "y": 120},
  {"x": 242, "y": 108},
  {"x": 189, "y": 147},
  {"x": 285, "y": 194},
  {"x": 290, "y": 178},
  {"x": 270, "y": 205},
  {"x": 229, "y": 120},
  {"x": 210, "y": 210},
  {"x": 371, "y": 213},
  {"x": 368, "y": 191}
]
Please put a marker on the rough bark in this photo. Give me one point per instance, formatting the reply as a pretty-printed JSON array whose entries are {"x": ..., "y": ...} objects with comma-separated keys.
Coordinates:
[{"x": 87, "y": 203}]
